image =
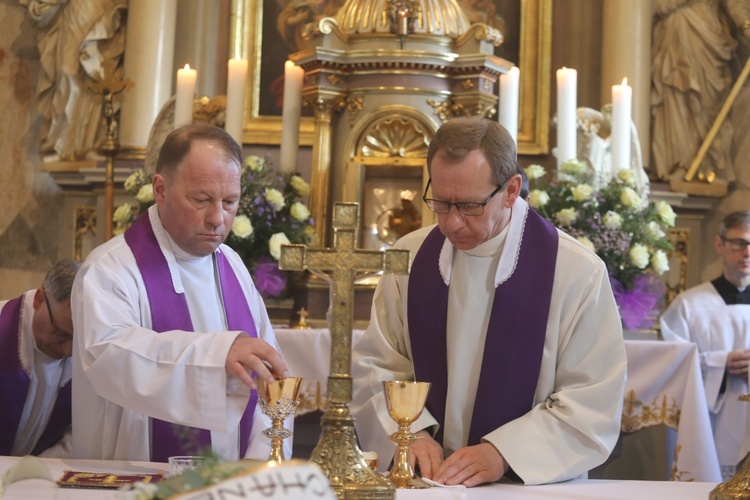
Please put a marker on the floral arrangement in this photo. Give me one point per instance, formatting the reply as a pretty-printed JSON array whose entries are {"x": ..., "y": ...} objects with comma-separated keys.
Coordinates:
[
  {"x": 617, "y": 223},
  {"x": 270, "y": 214}
]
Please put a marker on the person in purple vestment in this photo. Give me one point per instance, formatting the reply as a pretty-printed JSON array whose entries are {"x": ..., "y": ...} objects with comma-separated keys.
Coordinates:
[
  {"x": 171, "y": 327},
  {"x": 512, "y": 321},
  {"x": 36, "y": 339}
]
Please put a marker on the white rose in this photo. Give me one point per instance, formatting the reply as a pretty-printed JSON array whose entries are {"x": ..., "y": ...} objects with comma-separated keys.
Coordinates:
[
  {"x": 299, "y": 211},
  {"x": 582, "y": 192},
  {"x": 567, "y": 216},
  {"x": 666, "y": 213},
  {"x": 639, "y": 256},
  {"x": 653, "y": 229},
  {"x": 612, "y": 220},
  {"x": 299, "y": 185},
  {"x": 274, "y": 244},
  {"x": 573, "y": 166},
  {"x": 242, "y": 227},
  {"x": 275, "y": 198},
  {"x": 131, "y": 183},
  {"x": 660, "y": 262},
  {"x": 123, "y": 214},
  {"x": 538, "y": 198},
  {"x": 630, "y": 198},
  {"x": 255, "y": 163},
  {"x": 587, "y": 243},
  {"x": 145, "y": 194},
  {"x": 534, "y": 172},
  {"x": 627, "y": 176}
]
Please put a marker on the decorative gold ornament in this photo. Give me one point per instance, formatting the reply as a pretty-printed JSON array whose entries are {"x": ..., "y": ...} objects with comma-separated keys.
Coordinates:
[
  {"x": 737, "y": 488},
  {"x": 337, "y": 452}
]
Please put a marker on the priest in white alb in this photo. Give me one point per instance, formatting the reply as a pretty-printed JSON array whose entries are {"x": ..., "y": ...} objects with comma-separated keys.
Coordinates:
[
  {"x": 511, "y": 320},
  {"x": 169, "y": 326}
]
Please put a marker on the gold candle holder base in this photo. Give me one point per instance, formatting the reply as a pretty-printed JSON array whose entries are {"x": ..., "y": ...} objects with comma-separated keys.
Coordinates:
[{"x": 737, "y": 488}]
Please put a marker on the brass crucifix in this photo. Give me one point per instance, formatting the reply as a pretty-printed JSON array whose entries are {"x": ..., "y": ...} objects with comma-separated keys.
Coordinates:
[{"x": 337, "y": 452}]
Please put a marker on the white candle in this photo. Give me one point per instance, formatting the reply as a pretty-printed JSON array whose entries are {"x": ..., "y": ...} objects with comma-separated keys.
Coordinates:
[
  {"x": 566, "y": 115},
  {"x": 622, "y": 98},
  {"x": 236, "y": 79},
  {"x": 183, "y": 106},
  {"x": 290, "y": 116},
  {"x": 507, "y": 113}
]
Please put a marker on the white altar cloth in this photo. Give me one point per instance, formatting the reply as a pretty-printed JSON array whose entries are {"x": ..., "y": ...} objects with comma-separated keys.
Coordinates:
[
  {"x": 664, "y": 387},
  {"x": 35, "y": 489}
]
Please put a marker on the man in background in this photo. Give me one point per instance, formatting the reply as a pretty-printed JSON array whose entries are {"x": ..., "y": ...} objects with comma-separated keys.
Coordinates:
[
  {"x": 170, "y": 324},
  {"x": 36, "y": 338},
  {"x": 716, "y": 316}
]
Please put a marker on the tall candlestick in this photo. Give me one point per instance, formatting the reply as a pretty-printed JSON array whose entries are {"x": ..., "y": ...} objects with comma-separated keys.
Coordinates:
[
  {"x": 183, "y": 106},
  {"x": 236, "y": 98},
  {"x": 290, "y": 116},
  {"x": 566, "y": 115},
  {"x": 507, "y": 114},
  {"x": 622, "y": 98}
]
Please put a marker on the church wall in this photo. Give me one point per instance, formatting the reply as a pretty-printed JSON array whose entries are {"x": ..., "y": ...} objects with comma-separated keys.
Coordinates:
[{"x": 30, "y": 203}]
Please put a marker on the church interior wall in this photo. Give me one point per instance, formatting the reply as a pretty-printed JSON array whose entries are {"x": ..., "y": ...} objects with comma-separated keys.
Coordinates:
[{"x": 35, "y": 215}]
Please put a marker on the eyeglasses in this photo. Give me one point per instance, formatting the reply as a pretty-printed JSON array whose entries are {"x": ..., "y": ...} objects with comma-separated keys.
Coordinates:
[
  {"x": 59, "y": 334},
  {"x": 470, "y": 208},
  {"x": 736, "y": 244}
]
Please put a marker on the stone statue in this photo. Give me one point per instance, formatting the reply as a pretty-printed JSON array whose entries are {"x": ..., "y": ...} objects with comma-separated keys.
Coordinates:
[
  {"x": 79, "y": 41},
  {"x": 692, "y": 50},
  {"x": 594, "y": 130}
]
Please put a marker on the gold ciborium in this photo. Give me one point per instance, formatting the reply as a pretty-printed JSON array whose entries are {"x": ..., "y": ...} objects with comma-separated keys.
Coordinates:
[
  {"x": 405, "y": 401},
  {"x": 277, "y": 401}
]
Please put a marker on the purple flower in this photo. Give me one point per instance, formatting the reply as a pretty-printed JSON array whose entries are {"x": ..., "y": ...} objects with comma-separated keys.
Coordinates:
[{"x": 269, "y": 280}]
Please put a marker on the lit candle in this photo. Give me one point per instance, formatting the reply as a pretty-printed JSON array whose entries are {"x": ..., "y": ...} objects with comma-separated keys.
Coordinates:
[
  {"x": 236, "y": 98},
  {"x": 290, "y": 116},
  {"x": 507, "y": 114},
  {"x": 566, "y": 115},
  {"x": 183, "y": 106},
  {"x": 622, "y": 98}
]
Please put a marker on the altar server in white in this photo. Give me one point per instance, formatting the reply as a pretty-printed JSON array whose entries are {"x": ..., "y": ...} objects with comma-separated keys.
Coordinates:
[
  {"x": 716, "y": 316},
  {"x": 169, "y": 325},
  {"x": 512, "y": 321}
]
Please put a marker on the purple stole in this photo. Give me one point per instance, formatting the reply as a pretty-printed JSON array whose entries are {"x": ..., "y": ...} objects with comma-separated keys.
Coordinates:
[
  {"x": 515, "y": 335},
  {"x": 14, "y": 388},
  {"x": 169, "y": 311}
]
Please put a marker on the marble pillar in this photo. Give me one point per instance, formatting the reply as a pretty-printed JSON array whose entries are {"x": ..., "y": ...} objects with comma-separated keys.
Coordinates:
[
  {"x": 149, "y": 49},
  {"x": 626, "y": 52}
]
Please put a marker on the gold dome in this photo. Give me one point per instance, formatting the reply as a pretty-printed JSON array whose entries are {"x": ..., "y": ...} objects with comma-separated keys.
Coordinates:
[{"x": 434, "y": 17}]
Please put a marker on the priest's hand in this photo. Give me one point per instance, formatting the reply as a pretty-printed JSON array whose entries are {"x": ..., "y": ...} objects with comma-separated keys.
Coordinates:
[
  {"x": 471, "y": 466},
  {"x": 427, "y": 453},
  {"x": 247, "y": 355},
  {"x": 737, "y": 362}
]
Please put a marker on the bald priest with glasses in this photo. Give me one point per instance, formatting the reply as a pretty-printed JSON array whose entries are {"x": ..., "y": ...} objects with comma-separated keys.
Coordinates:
[
  {"x": 36, "y": 340},
  {"x": 511, "y": 320},
  {"x": 716, "y": 316}
]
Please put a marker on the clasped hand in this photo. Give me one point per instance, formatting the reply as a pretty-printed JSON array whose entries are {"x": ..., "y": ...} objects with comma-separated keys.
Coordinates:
[
  {"x": 470, "y": 466},
  {"x": 247, "y": 355},
  {"x": 737, "y": 362}
]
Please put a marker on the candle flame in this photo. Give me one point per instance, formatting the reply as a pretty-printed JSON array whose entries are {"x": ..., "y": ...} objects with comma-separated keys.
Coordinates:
[
  {"x": 625, "y": 81},
  {"x": 187, "y": 66}
]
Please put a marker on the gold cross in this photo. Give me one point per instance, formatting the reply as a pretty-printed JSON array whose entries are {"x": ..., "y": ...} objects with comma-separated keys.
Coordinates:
[
  {"x": 344, "y": 261},
  {"x": 337, "y": 452},
  {"x": 631, "y": 401},
  {"x": 302, "y": 325}
]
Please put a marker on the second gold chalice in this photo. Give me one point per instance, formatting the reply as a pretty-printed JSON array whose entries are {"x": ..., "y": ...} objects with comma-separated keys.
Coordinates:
[
  {"x": 405, "y": 401},
  {"x": 277, "y": 401}
]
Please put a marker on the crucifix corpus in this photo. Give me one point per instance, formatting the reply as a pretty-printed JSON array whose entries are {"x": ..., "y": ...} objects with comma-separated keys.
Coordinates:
[{"x": 337, "y": 452}]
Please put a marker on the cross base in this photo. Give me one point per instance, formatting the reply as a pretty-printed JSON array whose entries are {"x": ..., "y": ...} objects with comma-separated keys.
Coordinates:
[{"x": 338, "y": 454}]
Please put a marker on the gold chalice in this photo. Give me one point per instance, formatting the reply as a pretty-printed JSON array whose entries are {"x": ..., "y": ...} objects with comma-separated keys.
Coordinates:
[
  {"x": 405, "y": 402},
  {"x": 277, "y": 401}
]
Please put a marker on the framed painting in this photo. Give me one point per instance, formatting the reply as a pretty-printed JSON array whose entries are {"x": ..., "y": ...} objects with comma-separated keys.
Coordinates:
[{"x": 526, "y": 25}]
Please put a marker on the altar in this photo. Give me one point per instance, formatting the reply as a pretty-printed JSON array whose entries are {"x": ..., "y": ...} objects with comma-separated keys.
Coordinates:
[{"x": 664, "y": 388}]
